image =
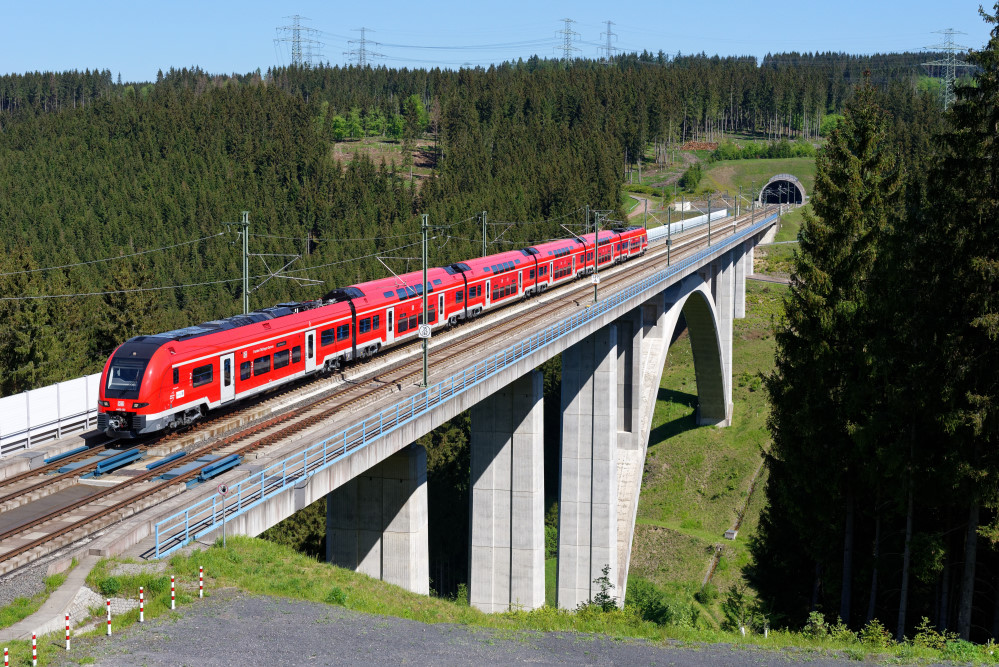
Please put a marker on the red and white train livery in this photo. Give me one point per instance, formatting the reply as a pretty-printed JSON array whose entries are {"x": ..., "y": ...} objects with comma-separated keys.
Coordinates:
[{"x": 172, "y": 379}]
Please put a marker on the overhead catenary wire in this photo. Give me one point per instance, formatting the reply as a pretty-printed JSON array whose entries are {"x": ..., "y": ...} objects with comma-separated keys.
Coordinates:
[
  {"x": 110, "y": 259},
  {"x": 200, "y": 284}
]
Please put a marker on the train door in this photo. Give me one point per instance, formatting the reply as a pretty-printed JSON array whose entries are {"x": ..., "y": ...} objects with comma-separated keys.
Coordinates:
[
  {"x": 228, "y": 381},
  {"x": 390, "y": 329},
  {"x": 310, "y": 351},
  {"x": 488, "y": 294},
  {"x": 520, "y": 282},
  {"x": 441, "y": 315}
]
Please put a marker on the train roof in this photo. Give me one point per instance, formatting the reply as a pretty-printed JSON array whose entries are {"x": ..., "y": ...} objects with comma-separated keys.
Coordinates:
[
  {"x": 406, "y": 286},
  {"x": 498, "y": 263},
  {"x": 228, "y": 323}
]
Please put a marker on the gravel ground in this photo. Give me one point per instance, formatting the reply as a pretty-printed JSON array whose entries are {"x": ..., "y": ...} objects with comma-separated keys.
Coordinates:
[
  {"x": 233, "y": 628},
  {"x": 22, "y": 585}
]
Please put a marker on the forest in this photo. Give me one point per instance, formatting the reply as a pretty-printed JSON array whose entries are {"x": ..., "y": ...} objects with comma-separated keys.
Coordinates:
[
  {"x": 119, "y": 194},
  {"x": 882, "y": 499}
]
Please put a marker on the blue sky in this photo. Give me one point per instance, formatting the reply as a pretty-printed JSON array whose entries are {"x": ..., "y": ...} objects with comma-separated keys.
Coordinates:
[{"x": 136, "y": 38}]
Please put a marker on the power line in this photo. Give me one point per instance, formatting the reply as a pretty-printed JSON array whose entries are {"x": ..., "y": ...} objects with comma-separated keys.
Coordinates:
[
  {"x": 362, "y": 53},
  {"x": 110, "y": 259},
  {"x": 293, "y": 35},
  {"x": 203, "y": 284},
  {"x": 567, "y": 34},
  {"x": 949, "y": 62},
  {"x": 609, "y": 49}
]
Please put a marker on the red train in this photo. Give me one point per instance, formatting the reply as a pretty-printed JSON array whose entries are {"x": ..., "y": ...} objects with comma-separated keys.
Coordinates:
[{"x": 172, "y": 379}]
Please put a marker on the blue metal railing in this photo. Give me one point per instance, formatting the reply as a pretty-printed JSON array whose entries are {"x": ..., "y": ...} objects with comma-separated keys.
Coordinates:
[{"x": 205, "y": 515}]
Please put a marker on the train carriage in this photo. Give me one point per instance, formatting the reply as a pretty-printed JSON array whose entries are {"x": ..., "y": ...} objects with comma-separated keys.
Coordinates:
[{"x": 171, "y": 379}]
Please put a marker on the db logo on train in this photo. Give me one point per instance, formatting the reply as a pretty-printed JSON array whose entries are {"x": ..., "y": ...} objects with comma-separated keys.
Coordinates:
[{"x": 223, "y": 490}]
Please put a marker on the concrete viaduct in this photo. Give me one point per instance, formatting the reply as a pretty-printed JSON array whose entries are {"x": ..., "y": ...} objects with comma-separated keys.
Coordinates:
[{"x": 613, "y": 357}]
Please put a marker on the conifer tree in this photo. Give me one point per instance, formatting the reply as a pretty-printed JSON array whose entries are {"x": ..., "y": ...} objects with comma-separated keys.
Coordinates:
[
  {"x": 968, "y": 294},
  {"x": 819, "y": 387}
]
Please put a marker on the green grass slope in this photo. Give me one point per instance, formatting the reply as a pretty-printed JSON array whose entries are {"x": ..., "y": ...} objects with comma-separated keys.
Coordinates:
[
  {"x": 698, "y": 479},
  {"x": 732, "y": 174}
]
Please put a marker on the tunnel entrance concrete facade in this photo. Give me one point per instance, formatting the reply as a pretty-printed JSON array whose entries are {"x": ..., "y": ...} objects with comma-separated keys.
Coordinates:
[{"x": 783, "y": 189}]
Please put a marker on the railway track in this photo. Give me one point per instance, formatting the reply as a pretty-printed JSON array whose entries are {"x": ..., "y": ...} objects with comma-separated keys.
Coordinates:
[{"x": 108, "y": 508}]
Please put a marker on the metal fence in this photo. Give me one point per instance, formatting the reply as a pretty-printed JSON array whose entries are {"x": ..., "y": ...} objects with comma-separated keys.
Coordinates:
[
  {"x": 206, "y": 515},
  {"x": 47, "y": 413}
]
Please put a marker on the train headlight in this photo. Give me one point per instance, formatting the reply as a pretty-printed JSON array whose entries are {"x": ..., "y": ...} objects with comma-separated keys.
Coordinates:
[
  {"x": 136, "y": 406},
  {"x": 104, "y": 404}
]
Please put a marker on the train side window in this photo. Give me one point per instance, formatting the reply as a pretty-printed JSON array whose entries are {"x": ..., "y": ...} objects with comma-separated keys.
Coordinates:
[
  {"x": 390, "y": 321},
  {"x": 414, "y": 321},
  {"x": 281, "y": 359},
  {"x": 403, "y": 325},
  {"x": 328, "y": 337},
  {"x": 296, "y": 354},
  {"x": 262, "y": 365},
  {"x": 176, "y": 376},
  {"x": 364, "y": 326},
  {"x": 376, "y": 322},
  {"x": 227, "y": 372},
  {"x": 201, "y": 375},
  {"x": 310, "y": 338},
  {"x": 244, "y": 370},
  {"x": 530, "y": 275},
  {"x": 343, "y": 332},
  {"x": 459, "y": 296}
]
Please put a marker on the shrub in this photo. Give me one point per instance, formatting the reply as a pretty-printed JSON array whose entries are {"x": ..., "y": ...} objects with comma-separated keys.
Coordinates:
[
  {"x": 707, "y": 594},
  {"x": 461, "y": 595},
  {"x": 658, "y": 606},
  {"x": 336, "y": 596},
  {"x": 875, "y": 635},
  {"x": 109, "y": 586},
  {"x": 960, "y": 651},
  {"x": 816, "y": 626},
  {"x": 691, "y": 177}
]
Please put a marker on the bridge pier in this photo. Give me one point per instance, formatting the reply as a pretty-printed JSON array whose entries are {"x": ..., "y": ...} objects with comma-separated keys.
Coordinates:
[
  {"x": 587, "y": 539},
  {"x": 742, "y": 253},
  {"x": 377, "y": 522},
  {"x": 507, "y": 554}
]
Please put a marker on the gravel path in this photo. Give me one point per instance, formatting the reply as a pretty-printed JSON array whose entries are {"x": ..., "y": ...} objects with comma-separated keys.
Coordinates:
[{"x": 233, "y": 628}]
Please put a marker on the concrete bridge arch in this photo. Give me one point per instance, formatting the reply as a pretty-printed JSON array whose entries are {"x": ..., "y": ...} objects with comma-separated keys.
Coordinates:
[{"x": 376, "y": 498}]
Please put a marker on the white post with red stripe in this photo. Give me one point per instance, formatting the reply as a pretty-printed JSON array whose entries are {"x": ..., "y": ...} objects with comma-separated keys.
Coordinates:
[
  {"x": 201, "y": 581},
  {"x": 34, "y": 650},
  {"x": 109, "y": 618},
  {"x": 67, "y": 631},
  {"x": 6, "y": 657},
  {"x": 173, "y": 594},
  {"x": 142, "y": 606}
]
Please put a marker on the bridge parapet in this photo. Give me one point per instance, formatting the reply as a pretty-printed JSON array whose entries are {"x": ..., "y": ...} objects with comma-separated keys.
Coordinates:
[{"x": 422, "y": 411}]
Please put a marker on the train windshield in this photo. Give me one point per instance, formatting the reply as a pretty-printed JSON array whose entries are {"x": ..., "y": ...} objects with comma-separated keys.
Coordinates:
[{"x": 125, "y": 376}]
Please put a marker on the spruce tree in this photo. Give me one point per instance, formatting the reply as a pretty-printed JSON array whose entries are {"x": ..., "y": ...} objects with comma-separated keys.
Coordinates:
[
  {"x": 968, "y": 296},
  {"x": 819, "y": 388}
]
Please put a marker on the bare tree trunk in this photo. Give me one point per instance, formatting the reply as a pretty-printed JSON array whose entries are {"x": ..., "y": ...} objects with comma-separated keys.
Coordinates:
[
  {"x": 816, "y": 586},
  {"x": 872, "y": 601},
  {"x": 903, "y": 598},
  {"x": 968, "y": 579},
  {"x": 944, "y": 596},
  {"x": 847, "y": 589},
  {"x": 995, "y": 610}
]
